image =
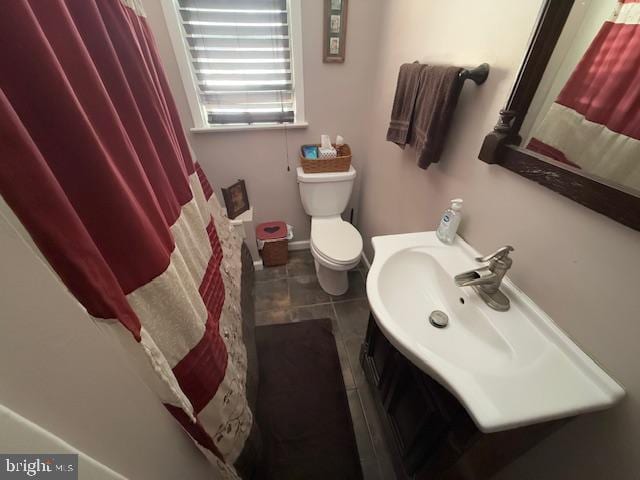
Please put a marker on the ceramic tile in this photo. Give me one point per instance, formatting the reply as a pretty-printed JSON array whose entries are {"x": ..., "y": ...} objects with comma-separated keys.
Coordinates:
[
  {"x": 345, "y": 365},
  {"x": 271, "y": 273},
  {"x": 376, "y": 432},
  {"x": 305, "y": 290},
  {"x": 272, "y": 295},
  {"x": 352, "y": 346},
  {"x": 362, "y": 266},
  {"x": 336, "y": 330},
  {"x": 313, "y": 312},
  {"x": 272, "y": 317},
  {"x": 300, "y": 263},
  {"x": 353, "y": 317},
  {"x": 357, "y": 288},
  {"x": 360, "y": 428}
]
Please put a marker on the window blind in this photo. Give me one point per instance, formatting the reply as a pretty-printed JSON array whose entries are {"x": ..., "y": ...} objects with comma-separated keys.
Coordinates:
[{"x": 241, "y": 56}]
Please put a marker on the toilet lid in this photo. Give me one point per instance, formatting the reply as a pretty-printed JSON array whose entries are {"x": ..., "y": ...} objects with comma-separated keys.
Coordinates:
[{"x": 336, "y": 240}]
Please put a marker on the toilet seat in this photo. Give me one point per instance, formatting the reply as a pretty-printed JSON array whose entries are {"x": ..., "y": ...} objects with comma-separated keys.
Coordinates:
[{"x": 335, "y": 241}]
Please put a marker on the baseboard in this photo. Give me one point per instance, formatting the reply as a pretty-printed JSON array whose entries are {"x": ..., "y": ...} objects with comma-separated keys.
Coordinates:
[
  {"x": 299, "y": 245},
  {"x": 366, "y": 260}
]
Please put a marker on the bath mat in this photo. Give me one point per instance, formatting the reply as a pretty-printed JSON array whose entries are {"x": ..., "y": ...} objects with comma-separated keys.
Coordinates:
[{"x": 303, "y": 411}]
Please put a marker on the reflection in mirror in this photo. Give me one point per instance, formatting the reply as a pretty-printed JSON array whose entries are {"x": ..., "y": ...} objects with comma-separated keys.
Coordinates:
[{"x": 586, "y": 112}]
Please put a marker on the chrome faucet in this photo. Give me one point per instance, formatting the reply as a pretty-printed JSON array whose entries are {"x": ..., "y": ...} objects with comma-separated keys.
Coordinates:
[{"x": 486, "y": 280}]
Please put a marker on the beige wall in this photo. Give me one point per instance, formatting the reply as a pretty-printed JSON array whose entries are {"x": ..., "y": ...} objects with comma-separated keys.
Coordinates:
[
  {"x": 579, "y": 266},
  {"x": 61, "y": 371},
  {"x": 336, "y": 97}
]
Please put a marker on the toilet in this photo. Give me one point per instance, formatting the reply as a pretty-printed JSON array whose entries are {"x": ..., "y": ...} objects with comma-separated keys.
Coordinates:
[{"x": 336, "y": 245}]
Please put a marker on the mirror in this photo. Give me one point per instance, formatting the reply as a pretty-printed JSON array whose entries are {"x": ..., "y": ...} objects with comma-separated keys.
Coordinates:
[
  {"x": 586, "y": 111},
  {"x": 572, "y": 122}
]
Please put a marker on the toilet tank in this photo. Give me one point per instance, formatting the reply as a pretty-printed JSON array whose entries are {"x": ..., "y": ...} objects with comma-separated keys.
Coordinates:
[{"x": 325, "y": 194}]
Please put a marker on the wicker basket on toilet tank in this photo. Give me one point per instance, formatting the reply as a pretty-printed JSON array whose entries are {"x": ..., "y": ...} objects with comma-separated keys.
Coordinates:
[{"x": 341, "y": 163}]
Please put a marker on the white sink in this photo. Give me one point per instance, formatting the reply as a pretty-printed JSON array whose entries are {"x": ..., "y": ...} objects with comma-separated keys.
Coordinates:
[{"x": 508, "y": 369}]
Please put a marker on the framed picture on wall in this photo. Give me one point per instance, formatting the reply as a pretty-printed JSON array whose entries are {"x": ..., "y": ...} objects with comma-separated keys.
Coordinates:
[
  {"x": 334, "y": 24},
  {"x": 236, "y": 199},
  {"x": 335, "y": 30}
]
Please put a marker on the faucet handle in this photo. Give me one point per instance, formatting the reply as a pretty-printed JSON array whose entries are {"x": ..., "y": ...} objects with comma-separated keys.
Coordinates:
[{"x": 499, "y": 254}]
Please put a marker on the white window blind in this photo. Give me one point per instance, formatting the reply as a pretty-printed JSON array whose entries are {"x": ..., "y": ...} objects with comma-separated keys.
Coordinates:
[{"x": 240, "y": 51}]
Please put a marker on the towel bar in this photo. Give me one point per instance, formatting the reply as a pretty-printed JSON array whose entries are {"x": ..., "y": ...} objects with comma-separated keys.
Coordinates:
[{"x": 478, "y": 75}]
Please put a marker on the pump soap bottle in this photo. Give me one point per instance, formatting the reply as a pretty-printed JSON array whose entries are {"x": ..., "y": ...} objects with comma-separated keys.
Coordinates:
[{"x": 449, "y": 222}]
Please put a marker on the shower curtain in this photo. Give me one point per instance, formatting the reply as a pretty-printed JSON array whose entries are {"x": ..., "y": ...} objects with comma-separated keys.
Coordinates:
[
  {"x": 594, "y": 124},
  {"x": 95, "y": 164}
]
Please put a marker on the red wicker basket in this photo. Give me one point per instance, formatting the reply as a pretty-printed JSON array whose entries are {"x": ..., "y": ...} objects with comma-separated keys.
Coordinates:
[
  {"x": 275, "y": 253},
  {"x": 275, "y": 250}
]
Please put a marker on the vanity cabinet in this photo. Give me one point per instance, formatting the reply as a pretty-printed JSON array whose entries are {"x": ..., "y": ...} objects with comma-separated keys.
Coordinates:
[{"x": 431, "y": 434}]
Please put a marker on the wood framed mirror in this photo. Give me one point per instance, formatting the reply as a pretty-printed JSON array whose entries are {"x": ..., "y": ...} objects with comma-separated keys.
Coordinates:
[{"x": 572, "y": 120}]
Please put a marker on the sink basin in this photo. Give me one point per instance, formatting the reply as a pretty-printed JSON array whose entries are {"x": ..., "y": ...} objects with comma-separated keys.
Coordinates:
[{"x": 510, "y": 368}]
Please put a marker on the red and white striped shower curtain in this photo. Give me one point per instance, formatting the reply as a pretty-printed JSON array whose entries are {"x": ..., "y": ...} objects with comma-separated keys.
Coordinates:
[
  {"x": 94, "y": 163},
  {"x": 595, "y": 122}
]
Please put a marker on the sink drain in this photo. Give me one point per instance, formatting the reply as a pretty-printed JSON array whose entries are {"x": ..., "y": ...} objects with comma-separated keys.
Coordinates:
[{"x": 438, "y": 319}]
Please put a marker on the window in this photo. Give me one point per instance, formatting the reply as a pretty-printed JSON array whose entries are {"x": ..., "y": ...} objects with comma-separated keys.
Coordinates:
[{"x": 240, "y": 61}]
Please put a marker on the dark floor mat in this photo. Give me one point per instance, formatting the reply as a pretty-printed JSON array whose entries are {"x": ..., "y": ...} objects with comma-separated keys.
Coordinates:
[{"x": 303, "y": 411}]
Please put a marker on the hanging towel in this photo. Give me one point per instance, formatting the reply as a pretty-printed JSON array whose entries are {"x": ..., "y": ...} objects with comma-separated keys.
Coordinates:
[
  {"x": 438, "y": 92},
  {"x": 404, "y": 103}
]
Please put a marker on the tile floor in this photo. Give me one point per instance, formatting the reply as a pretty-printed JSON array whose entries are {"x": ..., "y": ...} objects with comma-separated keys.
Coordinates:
[{"x": 291, "y": 293}]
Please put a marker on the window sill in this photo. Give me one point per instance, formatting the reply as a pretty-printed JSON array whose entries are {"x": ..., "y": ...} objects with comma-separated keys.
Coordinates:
[{"x": 241, "y": 128}]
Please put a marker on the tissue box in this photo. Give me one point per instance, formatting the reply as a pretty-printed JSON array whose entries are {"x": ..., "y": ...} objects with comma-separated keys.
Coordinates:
[{"x": 327, "y": 152}]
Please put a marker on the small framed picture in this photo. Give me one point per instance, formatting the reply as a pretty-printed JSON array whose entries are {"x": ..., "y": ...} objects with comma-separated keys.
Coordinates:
[
  {"x": 236, "y": 199},
  {"x": 335, "y": 24},
  {"x": 335, "y": 30},
  {"x": 334, "y": 45}
]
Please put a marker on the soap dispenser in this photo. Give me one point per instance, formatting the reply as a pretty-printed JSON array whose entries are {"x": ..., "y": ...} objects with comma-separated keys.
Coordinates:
[{"x": 449, "y": 222}]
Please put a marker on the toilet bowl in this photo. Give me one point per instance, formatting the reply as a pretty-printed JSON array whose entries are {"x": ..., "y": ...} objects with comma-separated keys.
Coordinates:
[{"x": 336, "y": 245}]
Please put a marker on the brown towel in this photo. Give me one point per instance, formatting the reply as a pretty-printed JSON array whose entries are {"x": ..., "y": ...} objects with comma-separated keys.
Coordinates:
[
  {"x": 438, "y": 92},
  {"x": 404, "y": 103}
]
